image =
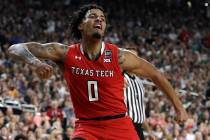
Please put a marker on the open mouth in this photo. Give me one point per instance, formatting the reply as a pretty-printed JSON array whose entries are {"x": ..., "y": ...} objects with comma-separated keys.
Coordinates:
[{"x": 98, "y": 26}]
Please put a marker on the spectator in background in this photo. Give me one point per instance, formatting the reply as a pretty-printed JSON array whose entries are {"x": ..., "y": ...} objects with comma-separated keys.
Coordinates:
[
  {"x": 207, "y": 92},
  {"x": 3, "y": 120},
  {"x": 13, "y": 93},
  {"x": 54, "y": 112},
  {"x": 68, "y": 133},
  {"x": 68, "y": 111},
  {"x": 206, "y": 41},
  {"x": 9, "y": 114},
  {"x": 184, "y": 35}
]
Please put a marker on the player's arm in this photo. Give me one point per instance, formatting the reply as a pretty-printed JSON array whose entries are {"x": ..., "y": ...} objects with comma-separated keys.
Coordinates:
[
  {"x": 134, "y": 64},
  {"x": 32, "y": 52}
]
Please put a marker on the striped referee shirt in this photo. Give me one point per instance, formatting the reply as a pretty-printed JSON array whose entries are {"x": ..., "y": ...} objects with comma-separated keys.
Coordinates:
[{"x": 134, "y": 98}]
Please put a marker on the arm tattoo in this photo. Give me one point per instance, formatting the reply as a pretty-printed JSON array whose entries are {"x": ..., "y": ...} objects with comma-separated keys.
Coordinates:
[
  {"x": 51, "y": 49},
  {"x": 55, "y": 50},
  {"x": 27, "y": 54},
  {"x": 21, "y": 52},
  {"x": 29, "y": 57},
  {"x": 121, "y": 57},
  {"x": 31, "y": 51},
  {"x": 54, "y": 47}
]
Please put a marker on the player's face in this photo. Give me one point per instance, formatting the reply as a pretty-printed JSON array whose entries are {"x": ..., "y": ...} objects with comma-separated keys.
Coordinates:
[{"x": 93, "y": 24}]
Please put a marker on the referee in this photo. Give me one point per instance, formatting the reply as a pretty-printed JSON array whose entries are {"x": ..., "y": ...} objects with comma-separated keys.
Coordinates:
[{"x": 134, "y": 100}]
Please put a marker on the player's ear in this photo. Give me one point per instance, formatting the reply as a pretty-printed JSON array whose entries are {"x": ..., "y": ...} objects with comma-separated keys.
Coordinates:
[{"x": 80, "y": 26}]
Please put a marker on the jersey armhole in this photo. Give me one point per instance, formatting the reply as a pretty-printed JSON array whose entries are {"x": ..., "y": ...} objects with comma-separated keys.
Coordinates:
[
  {"x": 65, "y": 58},
  {"x": 117, "y": 61}
]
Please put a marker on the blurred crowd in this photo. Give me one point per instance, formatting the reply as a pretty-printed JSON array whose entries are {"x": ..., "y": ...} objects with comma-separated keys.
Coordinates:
[{"x": 175, "y": 41}]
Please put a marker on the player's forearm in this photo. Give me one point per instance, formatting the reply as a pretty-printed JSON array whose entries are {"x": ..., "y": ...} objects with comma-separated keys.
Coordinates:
[
  {"x": 20, "y": 52},
  {"x": 166, "y": 87}
]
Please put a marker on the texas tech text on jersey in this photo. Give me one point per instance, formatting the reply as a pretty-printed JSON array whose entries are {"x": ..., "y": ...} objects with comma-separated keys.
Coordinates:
[{"x": 88, "y": 72}]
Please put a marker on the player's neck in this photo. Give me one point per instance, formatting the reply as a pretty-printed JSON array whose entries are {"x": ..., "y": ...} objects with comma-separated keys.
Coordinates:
[{"x": 92, "y": 48}]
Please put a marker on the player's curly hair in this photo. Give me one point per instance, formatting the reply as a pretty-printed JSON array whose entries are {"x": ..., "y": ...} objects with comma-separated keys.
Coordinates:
[{"x": 77, "y": 18}]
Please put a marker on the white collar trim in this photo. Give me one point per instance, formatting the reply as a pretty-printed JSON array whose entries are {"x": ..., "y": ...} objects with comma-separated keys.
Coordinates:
[{"x": 102, "y": 48}]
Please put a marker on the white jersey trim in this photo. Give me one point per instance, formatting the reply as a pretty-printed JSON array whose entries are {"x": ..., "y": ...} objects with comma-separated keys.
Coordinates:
[{"x": 102, "y": 48}]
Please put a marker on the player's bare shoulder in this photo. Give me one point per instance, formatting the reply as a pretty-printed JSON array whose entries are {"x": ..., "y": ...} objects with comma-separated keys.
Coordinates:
[
  {"x": 123, "y": 55},
  {"x": 126, "y": 59}
]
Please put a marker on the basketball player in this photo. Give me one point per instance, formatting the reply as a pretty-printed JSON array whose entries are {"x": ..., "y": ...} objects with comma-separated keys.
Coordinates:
[{"x": 93, "y": 71}]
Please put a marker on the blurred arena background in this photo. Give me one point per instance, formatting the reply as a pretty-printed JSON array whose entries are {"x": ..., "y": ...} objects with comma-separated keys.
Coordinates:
[{"x": 174, "y": 35}]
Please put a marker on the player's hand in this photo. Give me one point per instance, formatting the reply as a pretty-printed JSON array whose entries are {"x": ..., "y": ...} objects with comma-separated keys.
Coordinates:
[
  {"x": 182, "y": 116},
  {"x": 43, "y": 70}
]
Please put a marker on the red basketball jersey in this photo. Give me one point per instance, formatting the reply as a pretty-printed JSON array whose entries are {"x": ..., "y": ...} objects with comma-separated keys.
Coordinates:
[{"x": 96, "y": 87}]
